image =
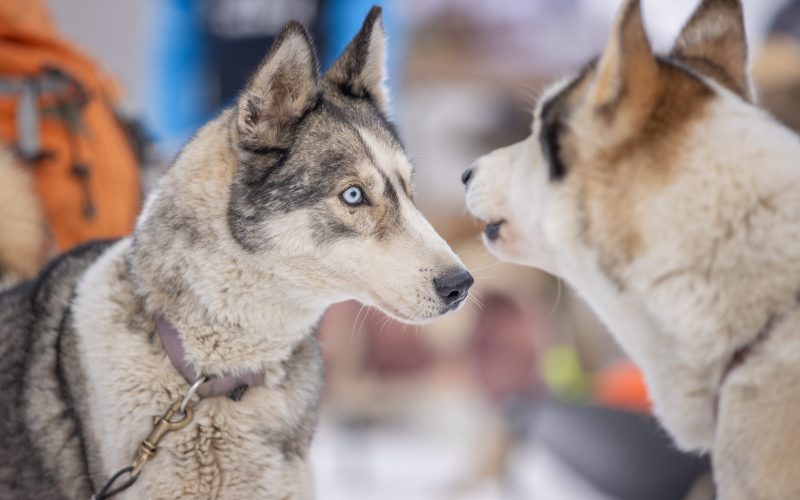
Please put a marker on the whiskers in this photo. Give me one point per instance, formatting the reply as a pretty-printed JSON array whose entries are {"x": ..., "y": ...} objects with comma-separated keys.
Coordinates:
[
  {"x": 386, "y": 320},
  {"x": 526, "y": 96},
  {"x": 559, "y": 287},
  {"x": 479, "y": 273},
  {"x": 472, "y": 250},
  {"x": 358, "y": 327},
  {"x": 416, "y": 330},
  {"x": 485, "y": 253},
  {"x": 474, "y": 301}
]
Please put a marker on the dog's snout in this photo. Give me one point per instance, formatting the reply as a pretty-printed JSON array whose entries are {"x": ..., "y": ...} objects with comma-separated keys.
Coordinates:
[
  {"x": 467, "y": 175},
  {"x": 453, "y": 286}
]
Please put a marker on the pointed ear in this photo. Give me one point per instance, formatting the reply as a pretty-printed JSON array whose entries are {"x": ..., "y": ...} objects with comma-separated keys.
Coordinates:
[
  {"x": 627, "y": 75},
  {"x": 282, "y": 89},
  {"x": 714, "y": 43},
  {"x": 361, "y": 69}
]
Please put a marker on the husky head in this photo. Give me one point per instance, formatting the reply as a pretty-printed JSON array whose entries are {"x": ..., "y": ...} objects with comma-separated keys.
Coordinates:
[
  {"x": 306, "y": 179},
  {"x": 651, "y": 183},
  {"x": 608, "y": 138}
]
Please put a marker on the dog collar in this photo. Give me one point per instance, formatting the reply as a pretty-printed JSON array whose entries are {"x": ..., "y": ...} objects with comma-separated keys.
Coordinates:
[{"x": 233, "y": 387}]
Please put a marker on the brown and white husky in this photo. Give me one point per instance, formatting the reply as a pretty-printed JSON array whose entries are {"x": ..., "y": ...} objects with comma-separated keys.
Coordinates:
[{"x": 657, "y": 187}]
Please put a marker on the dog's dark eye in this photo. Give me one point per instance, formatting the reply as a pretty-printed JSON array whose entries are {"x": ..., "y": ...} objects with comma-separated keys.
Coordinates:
[{"x": 353, "y": 196}]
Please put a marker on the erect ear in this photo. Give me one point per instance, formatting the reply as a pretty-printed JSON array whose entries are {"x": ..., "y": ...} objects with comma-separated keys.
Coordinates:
[
  {"x": 627, "y": 74},
  {"x": 361, "y": 69},
  {"x": 714, "y": 43},
  {"x": 282, "y": 89}
]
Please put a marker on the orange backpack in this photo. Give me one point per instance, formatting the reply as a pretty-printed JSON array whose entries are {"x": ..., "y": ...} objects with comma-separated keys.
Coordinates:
[{"x": 57, "y": 113}]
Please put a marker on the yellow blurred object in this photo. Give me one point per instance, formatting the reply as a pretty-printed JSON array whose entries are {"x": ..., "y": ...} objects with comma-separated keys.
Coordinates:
[{"x": 562, "y": 372}]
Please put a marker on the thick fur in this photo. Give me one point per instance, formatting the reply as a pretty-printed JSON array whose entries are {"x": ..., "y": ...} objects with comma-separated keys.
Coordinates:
[
  {"x": 242, "y": 246},
  {"x": 23, "y": 234},
  {"x": 657, "y": 189}
]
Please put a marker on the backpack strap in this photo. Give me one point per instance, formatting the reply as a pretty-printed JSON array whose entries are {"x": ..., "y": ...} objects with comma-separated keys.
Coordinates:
[{"x": 26, "y": 91}]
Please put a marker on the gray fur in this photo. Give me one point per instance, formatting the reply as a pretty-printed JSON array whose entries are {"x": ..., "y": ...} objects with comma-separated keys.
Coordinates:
[
  {"x": 326, "y": 146},
  {"x": 41, "y": 426},
  {"x": 241, "y": 247}
]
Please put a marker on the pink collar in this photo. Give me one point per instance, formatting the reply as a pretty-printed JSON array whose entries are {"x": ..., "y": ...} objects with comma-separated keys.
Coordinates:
[{"x": 233, "y": 387}]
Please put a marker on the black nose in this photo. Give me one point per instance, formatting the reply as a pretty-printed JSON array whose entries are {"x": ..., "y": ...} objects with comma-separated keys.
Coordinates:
[
  {"x": 453, "y": 286},
  {"x": 467, "y": 175}
]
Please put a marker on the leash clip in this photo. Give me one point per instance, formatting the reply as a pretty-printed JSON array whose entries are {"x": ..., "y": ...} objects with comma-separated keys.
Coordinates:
[
  {"x": 191, "y": 392},
  {"x": 162, "y": 426}
]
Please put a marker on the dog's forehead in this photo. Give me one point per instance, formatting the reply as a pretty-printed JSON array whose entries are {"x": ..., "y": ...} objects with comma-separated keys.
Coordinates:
[
  {"x": 385, "y": 156},
  {"x": 573, "y": 84},
  {"x": 356, "y": 139},
  {"x": 562, "y": 89},
  {"x": 552, "y": 92}
]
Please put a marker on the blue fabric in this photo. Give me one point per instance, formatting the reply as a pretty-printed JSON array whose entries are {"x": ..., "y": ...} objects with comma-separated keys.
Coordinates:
[
  {"x": 177, "y": 85},
  {"x": 343, "y": 18}
]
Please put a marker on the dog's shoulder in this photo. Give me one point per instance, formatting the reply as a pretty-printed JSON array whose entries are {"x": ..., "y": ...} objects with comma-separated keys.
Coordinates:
[
  {"x": 61, "y": 274},
  {"x": 41, "y": 301},
  {"x": 35, "y": 297},
  {"x": 44, "y": 298}
]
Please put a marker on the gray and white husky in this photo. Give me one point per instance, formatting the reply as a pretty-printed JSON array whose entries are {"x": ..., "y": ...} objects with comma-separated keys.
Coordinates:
[{"x": 297, "y": 197}]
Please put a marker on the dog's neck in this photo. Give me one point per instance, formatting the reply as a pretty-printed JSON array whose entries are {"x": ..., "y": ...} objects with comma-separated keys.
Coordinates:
[
  {"x": 717, "y": 303},
  {"x": 233, "y": 315},
  {"x": 694, "y": 327},
  {"x": 232, "y": 386},
  {"x": 236, "y": 312},
  {"x": 241, "y": 326}
]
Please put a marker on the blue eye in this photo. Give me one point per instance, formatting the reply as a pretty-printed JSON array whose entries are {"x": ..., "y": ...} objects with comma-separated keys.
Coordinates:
[{"x": 353, "y": 196}]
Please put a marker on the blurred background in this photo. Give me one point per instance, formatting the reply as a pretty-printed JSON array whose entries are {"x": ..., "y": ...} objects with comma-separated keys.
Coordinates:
[{"x": 520, "y": 395}]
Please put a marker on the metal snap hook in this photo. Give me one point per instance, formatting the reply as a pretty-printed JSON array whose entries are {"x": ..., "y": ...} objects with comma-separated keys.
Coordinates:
[{"x": 191, "y": 392}]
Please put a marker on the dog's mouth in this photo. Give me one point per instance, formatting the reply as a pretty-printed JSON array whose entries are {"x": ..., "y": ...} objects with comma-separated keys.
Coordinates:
[
  {"x": 405, "y": 314},
  {"x": 416, "y": 314},
  {"x": 492, "y": 230}
]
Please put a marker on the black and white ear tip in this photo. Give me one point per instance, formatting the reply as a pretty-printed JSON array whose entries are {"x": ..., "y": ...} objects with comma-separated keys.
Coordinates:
[{"x": 374, "y": 14}]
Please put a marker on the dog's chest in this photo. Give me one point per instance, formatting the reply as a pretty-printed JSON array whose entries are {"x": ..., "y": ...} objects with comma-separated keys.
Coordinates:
[
  {"x": 207, "y": 457},
  {"x": 252, "y": 448},
  {"x": 225, "y": 455}
]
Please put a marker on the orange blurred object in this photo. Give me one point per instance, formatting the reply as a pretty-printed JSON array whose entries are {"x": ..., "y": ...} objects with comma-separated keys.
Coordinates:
[
  {"x": 622, "y": 386},
  {"x": 87, "y": 173}
]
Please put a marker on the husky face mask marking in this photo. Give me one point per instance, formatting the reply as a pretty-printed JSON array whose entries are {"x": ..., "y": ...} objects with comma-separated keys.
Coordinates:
[
  {"x": 588, "y": 138},
  {"x": 302, "y": 143},
  {"x": 669, "y": 201}
]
